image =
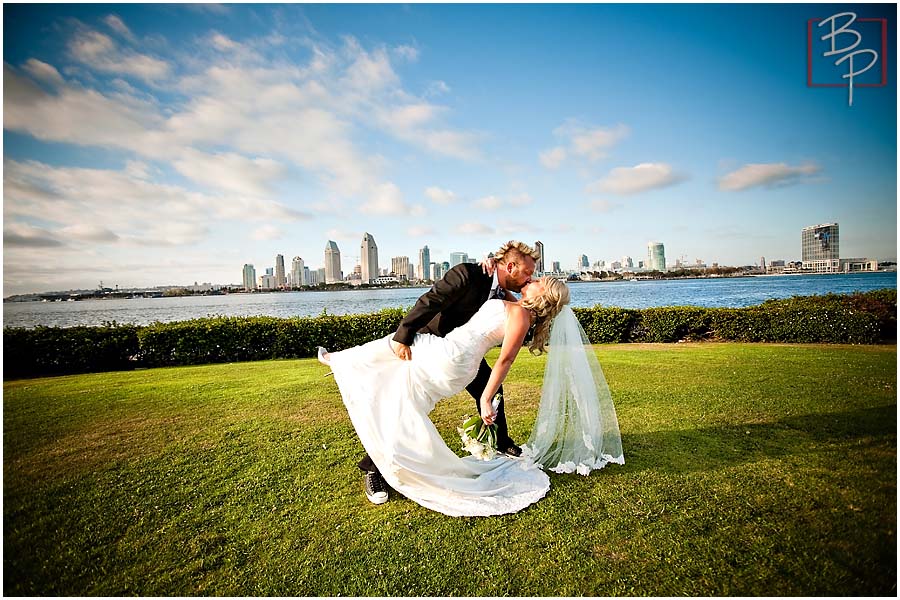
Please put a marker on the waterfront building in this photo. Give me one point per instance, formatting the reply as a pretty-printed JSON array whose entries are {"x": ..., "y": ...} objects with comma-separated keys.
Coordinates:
[
  {"x": 270, "y": 271},
  {"x": 267, "y": 282},
  {"x": 411, "y": 275},
  {"x": 627, "y": 262},
  {"x": 279, "y": 271},
  {"x": 458, "y": 258},
  {"x": 656, "y": 256},
  {"x": 422, "y": 270},
  {"x": 539, "y": 264},
  {"x": 557, "y": 267},
  {"x": 762, "y": 263},
  {"x": 615, "y": 266},
  {"x": 298, "y": 272},
  {"x": 400, "y": 267},
  {"x": 249, "y": 278},
  {"x": 368, "y": 256},
  {"x": 821, "y": 248},
  {"x": 855, "y": 265},
  {"x": 583, "y": 263},
  {"x": 333, "y": 273},
  {"x": 445, "y": 266},
  {"x": 383, "y": 279}
]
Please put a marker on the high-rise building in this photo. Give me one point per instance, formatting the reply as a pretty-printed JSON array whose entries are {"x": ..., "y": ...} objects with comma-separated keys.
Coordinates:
[
  {"x": 445, "y": 266},
  {"x": 400, "y": 267},
  {"x": 627, "y": 262},
  {"x": 412, "y": 273},
  {"x": 270, "y": 271},
  {"x": 656, "y": 256},
  {"x": 821, "y": 248},
  {"x": 279, "y": 271},
  {"x": 249, "y": 277},
  {"x": 458, "y": 258},
  {"x": 267, "y": 282},
  {"x": 422, "y": 270},
  {"x": 368, "y": 257},
  {"x": 539, "y": 264},
  {"x": 557, "y": 268},
  {"x": 333, "y": 272},
  {"x": 583, "y": 263},
  {"x": 306, "y": 280},
  {"x": 436, "y": 273},
  {"x": 320, "y": 275},
  {"x": 298, "y": 271}
]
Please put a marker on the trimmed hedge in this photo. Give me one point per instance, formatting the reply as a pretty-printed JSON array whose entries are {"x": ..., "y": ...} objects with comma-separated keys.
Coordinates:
[{"x": 860, "y": 318}]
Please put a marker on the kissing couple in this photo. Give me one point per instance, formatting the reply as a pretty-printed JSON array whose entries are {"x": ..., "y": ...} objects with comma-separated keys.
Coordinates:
[{"x": 390, "y": 386}]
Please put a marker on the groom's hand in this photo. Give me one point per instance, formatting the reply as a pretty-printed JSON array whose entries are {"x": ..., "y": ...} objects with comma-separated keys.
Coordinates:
[
  {"x": 402, "y": 351},
  {"x": 489, "y": 265}
]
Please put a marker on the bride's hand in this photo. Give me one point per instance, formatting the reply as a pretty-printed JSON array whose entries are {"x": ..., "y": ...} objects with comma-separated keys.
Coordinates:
[{"x": 488, "y": 414}]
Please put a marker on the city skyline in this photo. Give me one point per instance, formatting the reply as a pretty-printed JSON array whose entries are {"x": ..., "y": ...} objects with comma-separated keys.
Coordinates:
[{"x": 156, "y": 144}]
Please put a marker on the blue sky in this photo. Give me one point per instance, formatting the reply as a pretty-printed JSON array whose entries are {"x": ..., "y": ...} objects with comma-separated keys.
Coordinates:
[{"x": 167, "y": 144}]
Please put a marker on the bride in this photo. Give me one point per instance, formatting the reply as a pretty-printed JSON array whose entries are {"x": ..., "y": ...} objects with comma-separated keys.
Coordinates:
[{"x": 389, "y": 400}]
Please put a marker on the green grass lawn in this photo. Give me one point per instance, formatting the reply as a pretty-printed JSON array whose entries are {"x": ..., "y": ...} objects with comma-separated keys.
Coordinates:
[{"x": 750, "y": 470}]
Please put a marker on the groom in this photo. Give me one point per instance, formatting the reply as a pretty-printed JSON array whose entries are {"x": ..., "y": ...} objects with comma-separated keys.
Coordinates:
[{"x": 450, "y": 303}]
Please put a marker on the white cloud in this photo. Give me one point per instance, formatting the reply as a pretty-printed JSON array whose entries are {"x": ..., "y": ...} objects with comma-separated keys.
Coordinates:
[
  {"x": 640, "y": 178},
  {"x": 594, "y": 143},
  {"x": 90, "y": 232},
  {"x": 521, "y": 200},
  {"x": 22, "y": 235},
  {"x": 554, "y": 157},
  {"x": 118, "y": 25},
  {"x": 436, "y": 88},
  {"x": 419, "y": 231},
  {"x": 100, "y": 52},
  {"x": 439, "y": 196},
  {"x": 230, "y": 172},
  {"x": 604, "y": 206},
  {"x": 474, "y": 229},
  {"x": 43, "y": 72},
  {"x": 767, "y": 175},
  {"x": 267, "y": 233},
  {"x": 488, "y": 203},
  {"x": 407, "y": 53}
]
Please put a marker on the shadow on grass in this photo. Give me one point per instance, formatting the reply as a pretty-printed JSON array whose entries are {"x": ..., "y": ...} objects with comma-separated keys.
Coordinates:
[{"x": 722, "y": 446}]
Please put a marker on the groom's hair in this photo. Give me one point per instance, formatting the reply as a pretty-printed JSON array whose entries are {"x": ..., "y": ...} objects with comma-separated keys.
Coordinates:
[{"x": 515, "y": 251}]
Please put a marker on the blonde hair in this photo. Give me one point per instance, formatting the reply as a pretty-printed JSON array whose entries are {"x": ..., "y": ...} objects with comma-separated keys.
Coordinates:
[
  {"x": 546, "y": 307},
  {"x": 515, "y": 251}
]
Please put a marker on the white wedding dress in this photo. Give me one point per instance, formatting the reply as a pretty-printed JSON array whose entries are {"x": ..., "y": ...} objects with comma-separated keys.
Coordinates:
[{"x": 389, "y": 401}]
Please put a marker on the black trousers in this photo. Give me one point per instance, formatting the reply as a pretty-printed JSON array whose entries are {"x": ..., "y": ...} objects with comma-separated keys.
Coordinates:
[{"x": 475, "y": 389}]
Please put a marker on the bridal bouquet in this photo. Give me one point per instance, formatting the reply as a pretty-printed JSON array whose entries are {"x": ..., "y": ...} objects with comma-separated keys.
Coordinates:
[{"x": 478, "y": 439}]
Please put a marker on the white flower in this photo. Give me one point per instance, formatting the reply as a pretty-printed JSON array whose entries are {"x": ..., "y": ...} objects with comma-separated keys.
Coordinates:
[{"x": 583, "y": 469}]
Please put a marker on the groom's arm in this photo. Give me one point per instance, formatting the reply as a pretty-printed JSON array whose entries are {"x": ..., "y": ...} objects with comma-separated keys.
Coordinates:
[{"x": 444, "y": 293}]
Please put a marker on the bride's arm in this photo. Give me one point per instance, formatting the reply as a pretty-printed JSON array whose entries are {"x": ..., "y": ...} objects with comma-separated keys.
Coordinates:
[{"x": 518, "y": 320}]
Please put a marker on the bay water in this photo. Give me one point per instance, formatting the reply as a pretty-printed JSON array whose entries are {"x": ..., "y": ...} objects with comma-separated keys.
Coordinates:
[{"x": 734, "y": 292}]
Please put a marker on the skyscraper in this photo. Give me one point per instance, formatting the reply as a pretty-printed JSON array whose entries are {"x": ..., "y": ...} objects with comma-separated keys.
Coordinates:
[
  {"x": 298, "y": 272},
  {"x": 332, "y": 263},
  {"x": 422, "y": 270},
  {"x": 583, "y": 263},
  {"x": 458, "y": 258},
  {"x": 249, "y": 277},
  {"x": 400, "y": 266},
  {"x": 627, "y": 262},
  {"x": 279, "y": 271},
  {"x": 656, "y": 256},
  {"x": 539, "y": 264},
  {"x": 368, "y": 257},
  {"x": 821, "y": 248}
]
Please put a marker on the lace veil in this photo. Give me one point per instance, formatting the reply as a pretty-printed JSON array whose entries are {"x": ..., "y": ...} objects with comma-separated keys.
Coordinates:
[{"x": 576, "y": 428}]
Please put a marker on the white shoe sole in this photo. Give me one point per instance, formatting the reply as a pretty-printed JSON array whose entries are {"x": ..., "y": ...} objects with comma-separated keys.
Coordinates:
[{"x": 379, "y": 498}]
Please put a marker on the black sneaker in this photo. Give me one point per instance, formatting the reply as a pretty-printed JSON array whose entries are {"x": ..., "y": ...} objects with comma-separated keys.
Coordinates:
[
  {"x": 511, "y": 449},
  {"x": 376, "y": 487}
]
